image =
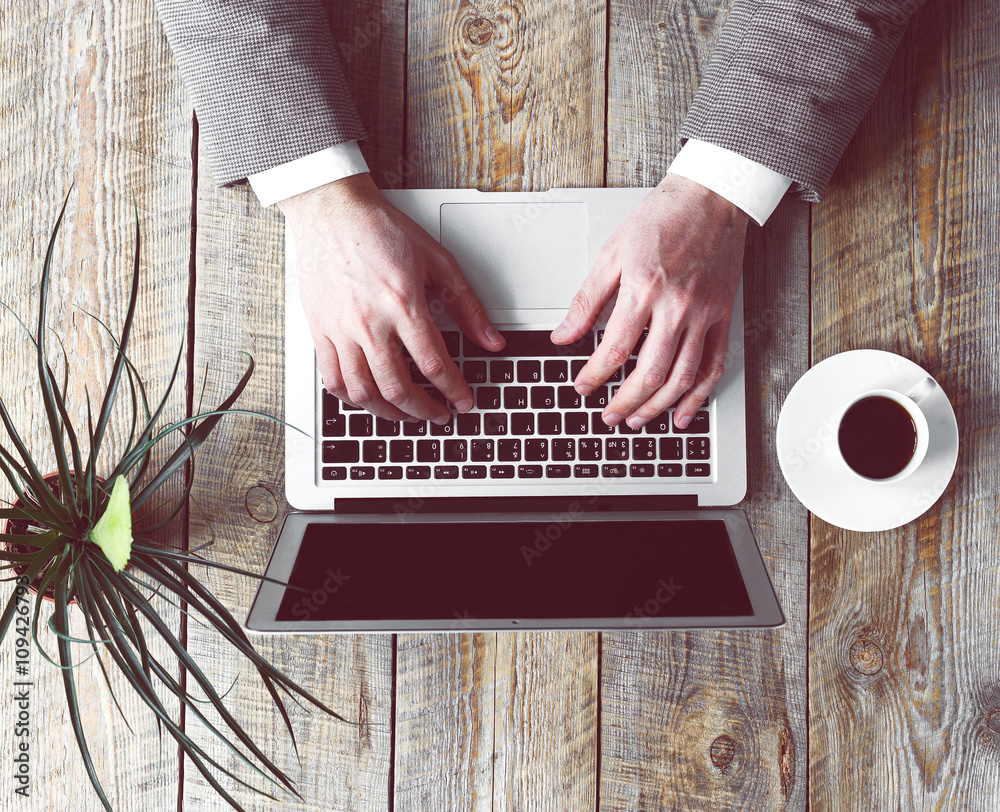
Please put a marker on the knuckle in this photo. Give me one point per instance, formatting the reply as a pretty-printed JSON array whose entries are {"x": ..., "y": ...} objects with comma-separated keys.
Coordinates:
[
  {"x": 653, "y": 379},
  {"x": 714, "y": 371},
  {"x": 359, "y": 396},
  {"x": 433, "y": 366},
  {"x": 617, "y": 354},
  {"x": 686, "y": 379},
  {"x": 394, "y": 393},
  {"x": 582, "y": 302}
]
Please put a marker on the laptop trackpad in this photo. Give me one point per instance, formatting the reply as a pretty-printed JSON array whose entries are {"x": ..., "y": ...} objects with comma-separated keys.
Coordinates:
[{"x": 519, "y": 256}]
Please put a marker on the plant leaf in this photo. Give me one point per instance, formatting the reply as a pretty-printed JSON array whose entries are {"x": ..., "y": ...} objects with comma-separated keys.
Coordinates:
[{"x": 113, "y": 531}]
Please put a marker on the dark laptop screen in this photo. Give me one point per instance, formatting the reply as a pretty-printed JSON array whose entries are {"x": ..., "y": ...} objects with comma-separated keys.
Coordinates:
[{"x": 542, "y": 570}]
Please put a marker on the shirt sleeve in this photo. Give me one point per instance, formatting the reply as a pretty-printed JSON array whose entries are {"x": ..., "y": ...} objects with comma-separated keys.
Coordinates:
[
  {"x": 751, "y": 186},
  {"x": 308, "y": 172}
]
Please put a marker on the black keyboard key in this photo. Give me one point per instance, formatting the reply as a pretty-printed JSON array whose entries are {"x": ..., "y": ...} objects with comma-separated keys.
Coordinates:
[
  {"x": 613, "y": 470},
  {"x": 390, "y": 472},
  {"x": 556, "y": 372},
  {"x": 474, "y": 372},
  {"x": 575, "y": 367},
  {"x": 416, "y": 429},
  {"x": 482, "y": 450},
  {"x": 373, "y": 451},
  {"x": 585, "y": 471},
  {"x": 550, "y": 423},
  {"x": 659, "y": 424},
  {"x": 401, "y": 451},
  {"x": 473, "y": 472},
  {"x": 576, "y": 423},
  {"x": 341, "y": 451},
  {"x": 428, "y": 451},
  {"x": 568, "y": 397},
  {"x": 452, "y": 343},
  {"x": 536, "y": 450},
  {"x": 557, "y": 471},
  {"x": 668, "y": 469},
  {"x": 588, "y": 448},
  {"x": 698, "y": 426},
  {"x": 501, "y": 472},
  {"x": 468, "y": 424},
  {"x": 670, "y": 448},
  {"x": 543, "y": 397},
  {"x": 418, "y": 472},
  {"x": 697, "y": 469},
  {"x": 515, "y": 397},
  {"x": 616, "y": 375},
  {"x": 598, "y": 426},
  {"x": 644, "y": 448},
  {"x": 331, "y": 404},
  {"x": 616, "y": 448},
  {"x": 335, "y": 425},
  {"x": 447, "y": 430},
  {"x": 456, "y": 450},
  {"x": 509, "y": 450},
  {"x": 529, "y": 471},
  {"x": 522, "y": 423},
  {"x": 446, "y": 472},
  {"x": 625, "y": 428},
  {"x": 362, "y": 472},
  {"x": 386, "y": 428},
  {"x": 563, "y": 449},
  {"x": 360, "y": 425},
  {"x": 597, "y": 399},
  {"x": 501, "y": 372},
  {"x": 532, "y": 344},
  {"x": 529, "y": 371},
  {"x": 488, "y": 397},
  {"x": 640, "y": 469},
  {"x": 629, "y": 367},
  {"x": 434, "y": 394},
  {"x": 335, "y": 473},
  {"x": 494, "y": 424}
]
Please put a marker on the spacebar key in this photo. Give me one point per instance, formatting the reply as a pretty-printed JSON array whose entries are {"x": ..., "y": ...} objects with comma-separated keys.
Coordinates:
[{"x": 533, "y": 344}]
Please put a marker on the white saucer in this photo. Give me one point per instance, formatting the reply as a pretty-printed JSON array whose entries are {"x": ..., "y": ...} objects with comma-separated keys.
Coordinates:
[{"x": 807, "y": 443}]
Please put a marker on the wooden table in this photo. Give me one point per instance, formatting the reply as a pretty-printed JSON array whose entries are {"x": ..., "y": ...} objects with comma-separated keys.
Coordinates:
[{"x": 883, "y": 689}]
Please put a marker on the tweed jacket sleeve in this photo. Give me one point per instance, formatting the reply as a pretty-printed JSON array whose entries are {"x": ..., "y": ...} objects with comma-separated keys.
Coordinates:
[
  {"x": 790, "y": 80},
  {"x": 264, "y": 79}
]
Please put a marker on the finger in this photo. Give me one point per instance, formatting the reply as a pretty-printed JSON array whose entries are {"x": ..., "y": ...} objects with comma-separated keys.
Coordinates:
[
  {"x": 682, "y": 377},
  {"x": 396, "y": 387},
  {"x": 620, "y": 336},
  {"x": 713, "y": 362},
  {"x": 599, "y": 286},
  {"x": 465, "y": 307},
  {"x": 428, "y": 351},
  {"x": 653, "y": 365},
  {"x": 362, "y": 390}
]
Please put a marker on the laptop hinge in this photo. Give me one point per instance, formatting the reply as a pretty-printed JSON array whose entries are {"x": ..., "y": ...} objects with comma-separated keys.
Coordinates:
[{"x": 505, "y": 504}]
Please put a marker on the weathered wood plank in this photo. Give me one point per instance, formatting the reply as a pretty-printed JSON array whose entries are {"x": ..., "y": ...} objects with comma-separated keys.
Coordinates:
[
  {"x": 501, "y": 96},
  {"x": 89, "y": 95},
  {"x": 712, "y": 720},
  {"x": 240, "y": 487},
  {"x": 905, "y": 258}
]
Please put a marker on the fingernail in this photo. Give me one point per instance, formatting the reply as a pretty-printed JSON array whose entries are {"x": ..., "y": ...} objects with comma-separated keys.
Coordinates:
[
  {"x": 560, "y": 331},
  {"x": 441, "y": 420},
  {"x": 464, "y": 405},
  {"x": 493, "y": 335},
  {"x": 636, "y": 422},
  {"x": 682, "y": 422},
  {"x": 611, "y": 418}
]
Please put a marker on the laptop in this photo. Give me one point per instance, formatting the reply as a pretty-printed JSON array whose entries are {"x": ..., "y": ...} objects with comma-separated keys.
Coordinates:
[{"x": 527, "y": 512}]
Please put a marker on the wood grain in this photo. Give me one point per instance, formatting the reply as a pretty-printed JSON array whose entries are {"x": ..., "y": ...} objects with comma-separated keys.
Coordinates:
[
  {"x": 712, "y": 719},
  {"x": 89, "y": 96},
  {"x": 501, "y": 96},
  {"x": 903, "y": 671}
]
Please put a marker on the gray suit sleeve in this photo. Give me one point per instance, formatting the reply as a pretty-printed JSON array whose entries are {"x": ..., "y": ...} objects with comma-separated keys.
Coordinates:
[
  {"x": 790, "y": 80},
  {"x": 264, "y": 79}
]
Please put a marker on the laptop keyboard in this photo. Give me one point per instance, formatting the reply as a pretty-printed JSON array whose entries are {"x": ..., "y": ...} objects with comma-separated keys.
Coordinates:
[{"x": 528, "y": 423}]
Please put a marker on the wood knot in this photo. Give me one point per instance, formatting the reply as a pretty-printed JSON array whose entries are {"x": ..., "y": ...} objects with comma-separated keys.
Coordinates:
[
  {"x": 993, "y": 721},
  {"x": 722, "y": 751},
  {"x": 479, "y": 31},
  {"x": 261, "y": 504},
  {"x": 866, "y": 657}
]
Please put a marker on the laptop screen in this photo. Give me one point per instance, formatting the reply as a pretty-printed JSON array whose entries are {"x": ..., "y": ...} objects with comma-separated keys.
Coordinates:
[{"x": 552, "y": 569}]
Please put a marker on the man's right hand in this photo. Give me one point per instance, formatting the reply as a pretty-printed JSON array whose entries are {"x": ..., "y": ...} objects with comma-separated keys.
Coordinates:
[{"x": 364, "y": 271}]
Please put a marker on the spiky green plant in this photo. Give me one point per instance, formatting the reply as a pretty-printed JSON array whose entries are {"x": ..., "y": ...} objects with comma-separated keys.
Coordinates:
[{"x": 81, "y": 536}]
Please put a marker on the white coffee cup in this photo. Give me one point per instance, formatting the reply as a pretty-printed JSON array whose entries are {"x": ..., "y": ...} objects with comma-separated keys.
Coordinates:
[{"x": 910, "y": 401}]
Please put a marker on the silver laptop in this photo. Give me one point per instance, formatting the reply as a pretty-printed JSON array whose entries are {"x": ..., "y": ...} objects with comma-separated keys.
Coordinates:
[{"x": 457, "y": 522}]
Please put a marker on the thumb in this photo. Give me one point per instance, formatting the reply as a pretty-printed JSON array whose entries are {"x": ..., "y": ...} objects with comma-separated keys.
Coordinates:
[
  {"x": 599, "y": 286},
  {"x": 469, "y": 313}
]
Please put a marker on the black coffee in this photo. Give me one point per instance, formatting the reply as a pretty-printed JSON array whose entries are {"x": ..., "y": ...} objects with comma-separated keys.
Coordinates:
[{"x": 877, "y": 437}]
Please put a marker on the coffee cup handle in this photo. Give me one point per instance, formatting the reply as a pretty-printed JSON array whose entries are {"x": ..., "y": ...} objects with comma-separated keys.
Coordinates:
[{"x": 921, "y": 389}]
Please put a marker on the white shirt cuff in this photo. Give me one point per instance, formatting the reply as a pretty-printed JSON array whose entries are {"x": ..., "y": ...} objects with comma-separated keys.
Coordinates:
[
  {"x": 750, "y": 186},
  {"x": 308, "y": 172}
]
